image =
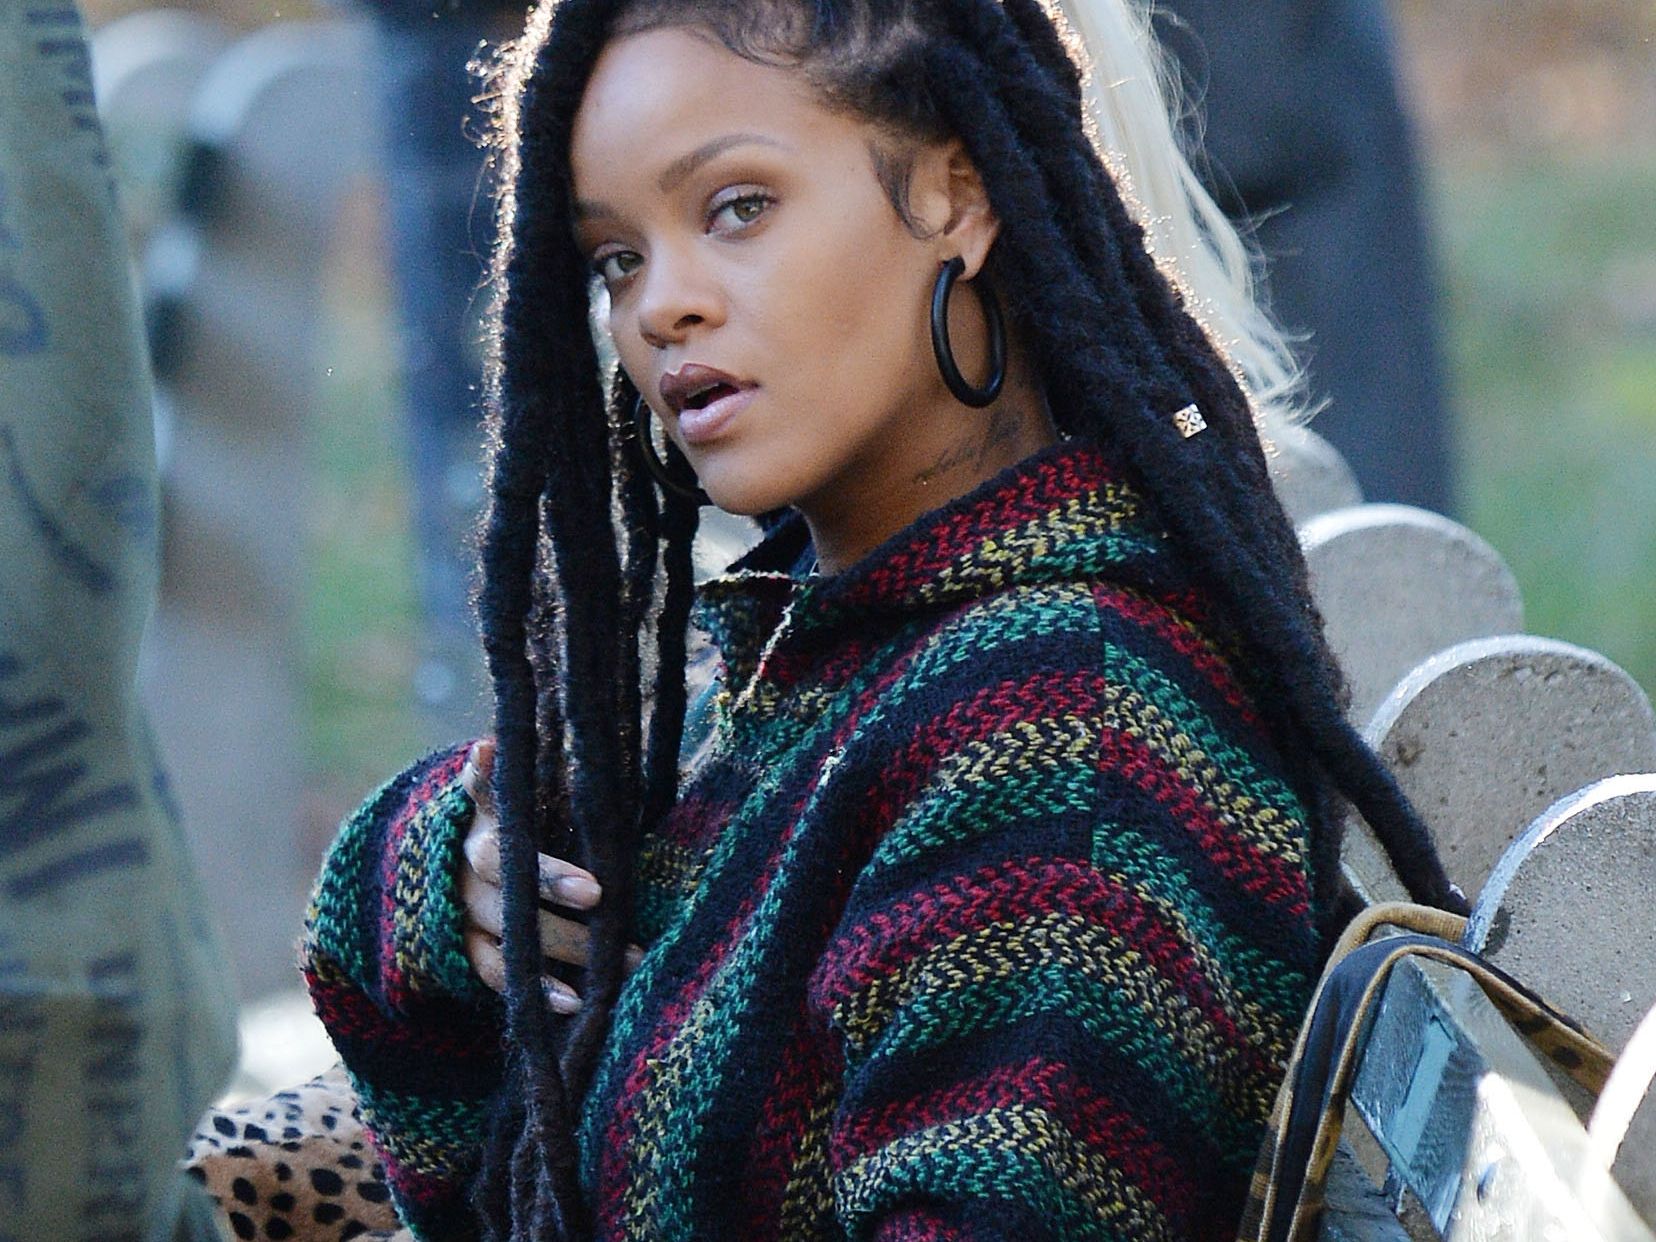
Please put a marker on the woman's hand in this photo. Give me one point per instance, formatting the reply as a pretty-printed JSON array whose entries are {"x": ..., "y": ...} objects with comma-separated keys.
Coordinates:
[{"x": 561, "y": 884}]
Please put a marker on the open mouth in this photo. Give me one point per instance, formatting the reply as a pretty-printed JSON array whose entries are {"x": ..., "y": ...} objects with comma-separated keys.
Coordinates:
[
  {"x": 698, "y": 392},
  {"x": 704, "y": 397}
]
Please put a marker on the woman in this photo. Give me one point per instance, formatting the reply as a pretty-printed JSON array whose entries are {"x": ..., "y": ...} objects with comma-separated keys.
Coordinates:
[{"x": 992, "y": 905}]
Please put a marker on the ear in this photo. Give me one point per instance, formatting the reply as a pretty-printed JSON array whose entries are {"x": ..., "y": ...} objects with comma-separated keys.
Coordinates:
[{"x": 948, "y": 199}]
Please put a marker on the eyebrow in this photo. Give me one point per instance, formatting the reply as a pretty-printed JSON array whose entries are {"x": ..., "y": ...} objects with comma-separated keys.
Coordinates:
[{"x": 685, "y": 165}]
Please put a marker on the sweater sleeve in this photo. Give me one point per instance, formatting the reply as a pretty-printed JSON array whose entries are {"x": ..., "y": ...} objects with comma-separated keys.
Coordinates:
[
  {"x": 1064, "y": 998},
  {"x": 383, "y": 957}
]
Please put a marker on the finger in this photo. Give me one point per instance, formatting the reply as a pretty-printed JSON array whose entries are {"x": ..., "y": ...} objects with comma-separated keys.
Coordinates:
[
  {"x": 482, "y": 850},
  {"x": 565, "y": 884},
  {"x": 482, "y": 901},
  {"x": 559, "y": 995},
  {"x": 479, "y": 769},
  {"x": 561, "y": 939},
  {"x": 483, "y": 951},
  {"x": 635, "y": 955},
  {"x": 564, "y": 940},
  {"x": 560, "y": 882}
]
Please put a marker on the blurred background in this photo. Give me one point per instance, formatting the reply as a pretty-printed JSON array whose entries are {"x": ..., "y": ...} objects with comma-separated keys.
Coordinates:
[{"x": 312, "y": 635}]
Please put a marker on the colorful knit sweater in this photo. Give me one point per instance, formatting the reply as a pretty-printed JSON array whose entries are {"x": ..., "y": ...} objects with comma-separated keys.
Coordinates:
[{"x": 986, "y": 914}]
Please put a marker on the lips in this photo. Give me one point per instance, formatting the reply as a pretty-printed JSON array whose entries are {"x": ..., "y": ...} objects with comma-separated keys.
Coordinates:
[
  {"x": 695, "y": 387},
  {"x": 702, "y": 425},
  {"x": 705, "y": 399}
]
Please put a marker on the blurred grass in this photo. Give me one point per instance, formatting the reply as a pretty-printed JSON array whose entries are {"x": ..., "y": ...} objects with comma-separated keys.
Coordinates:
[
  {"x": 1550, "y": 270},
  {"x": 362, "y": 625}
]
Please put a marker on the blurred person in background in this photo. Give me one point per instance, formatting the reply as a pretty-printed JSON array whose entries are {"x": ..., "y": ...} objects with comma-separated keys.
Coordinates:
[
  {"x": 438, "y": 198},
  {"x": 117, "y": 1018},
  {"x": 1304, "y": 140}
]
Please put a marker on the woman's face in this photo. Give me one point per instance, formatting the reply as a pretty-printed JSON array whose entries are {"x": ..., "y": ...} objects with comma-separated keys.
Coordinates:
[{"x": 764, "y": 295}]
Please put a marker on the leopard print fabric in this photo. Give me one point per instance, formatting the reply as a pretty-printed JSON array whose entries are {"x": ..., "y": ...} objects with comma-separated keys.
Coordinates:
[{"x": 297, "y": 1165}]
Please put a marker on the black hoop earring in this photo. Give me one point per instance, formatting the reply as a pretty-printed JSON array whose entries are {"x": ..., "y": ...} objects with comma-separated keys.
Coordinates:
[
  {"x": 977, "y": 398},
  {"x": 685, "y": 488}
]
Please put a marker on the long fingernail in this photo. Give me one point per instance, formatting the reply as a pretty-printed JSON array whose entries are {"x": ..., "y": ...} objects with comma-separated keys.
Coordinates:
[
  {"x": 577, "y": 890},
  {"x": 560, "y": 996}
]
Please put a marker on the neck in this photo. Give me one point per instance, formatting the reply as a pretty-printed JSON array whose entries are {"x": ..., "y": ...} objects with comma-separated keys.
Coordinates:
[{"x": 970, "y": 447}]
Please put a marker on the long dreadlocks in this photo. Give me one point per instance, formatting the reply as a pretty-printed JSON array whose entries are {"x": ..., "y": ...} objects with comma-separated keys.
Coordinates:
[{"x": 586, "y": 565}]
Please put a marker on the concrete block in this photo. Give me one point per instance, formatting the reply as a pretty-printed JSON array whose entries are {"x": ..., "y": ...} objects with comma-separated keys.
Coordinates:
[
  {"x": 1567, "y": 909},
  {"x": 1397, "y": 584},
  {"x": 1487, "y": 735},
  {"x": 1310, "y": 475},
  {"x": 146, "y": 68},
  {"x": 1621, "y": 1134}
]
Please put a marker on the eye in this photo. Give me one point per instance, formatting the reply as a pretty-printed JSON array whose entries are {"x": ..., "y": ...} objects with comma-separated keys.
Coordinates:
[
  {"x": 614, "y": 265},
  {"x": 734, "y": 211}
]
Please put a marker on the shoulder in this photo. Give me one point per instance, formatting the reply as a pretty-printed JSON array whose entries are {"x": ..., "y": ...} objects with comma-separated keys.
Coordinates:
[
  {"x": 1096, "y": 722},
  {"x": 1087, "y": 646},
  {"x": 1021, "y": 632}
]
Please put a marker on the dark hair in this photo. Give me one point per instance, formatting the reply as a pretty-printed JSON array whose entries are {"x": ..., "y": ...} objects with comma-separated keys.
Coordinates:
[{"x": 586, "y": 564}]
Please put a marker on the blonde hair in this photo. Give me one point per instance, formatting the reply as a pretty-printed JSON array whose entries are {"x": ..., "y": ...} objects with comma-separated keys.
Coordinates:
[{"x": 1130, "y": 95}]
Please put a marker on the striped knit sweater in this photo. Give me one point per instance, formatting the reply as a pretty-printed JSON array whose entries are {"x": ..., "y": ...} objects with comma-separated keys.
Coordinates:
[{"x": 986, "y": 914}]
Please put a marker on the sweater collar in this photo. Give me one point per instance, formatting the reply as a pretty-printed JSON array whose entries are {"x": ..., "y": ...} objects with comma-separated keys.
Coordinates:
[{"x": 1061, "y": 515}]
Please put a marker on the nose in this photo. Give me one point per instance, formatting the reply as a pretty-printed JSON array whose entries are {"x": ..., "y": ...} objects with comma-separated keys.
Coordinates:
[{"x": 677, "y": 296}]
